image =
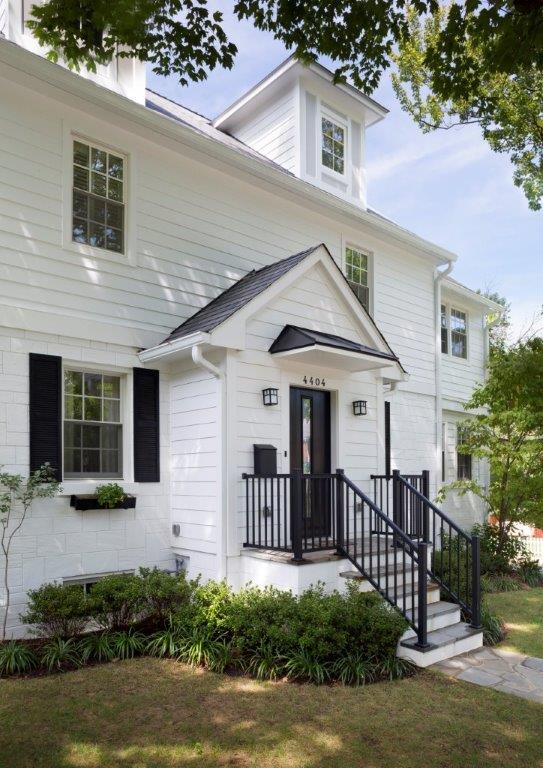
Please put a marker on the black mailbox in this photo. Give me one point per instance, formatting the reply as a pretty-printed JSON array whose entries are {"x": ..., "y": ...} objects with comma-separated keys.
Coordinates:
[{"x": 265, "y": 460}]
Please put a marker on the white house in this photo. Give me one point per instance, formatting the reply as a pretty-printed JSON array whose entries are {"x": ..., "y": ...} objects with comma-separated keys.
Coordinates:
[{"x": 163, "y": 276}]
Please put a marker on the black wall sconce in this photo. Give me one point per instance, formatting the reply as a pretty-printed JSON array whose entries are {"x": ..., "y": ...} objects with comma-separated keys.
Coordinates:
[
  {"x": 360, "y": 407},
  {"x": 270, "y": 396}
]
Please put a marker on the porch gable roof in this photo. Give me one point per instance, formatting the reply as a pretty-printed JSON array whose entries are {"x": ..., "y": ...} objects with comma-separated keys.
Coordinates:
[
  {"x": 222, "y": 322},
  {"x": 237, "y": 296}
]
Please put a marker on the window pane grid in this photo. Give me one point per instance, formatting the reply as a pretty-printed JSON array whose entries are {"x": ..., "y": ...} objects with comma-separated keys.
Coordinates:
[
  {"x": 333, "y": 145},
  {"x": 92, "y": 427},
  {"x": 356, "y": 270},
  {"x": 98, "y": 198}
]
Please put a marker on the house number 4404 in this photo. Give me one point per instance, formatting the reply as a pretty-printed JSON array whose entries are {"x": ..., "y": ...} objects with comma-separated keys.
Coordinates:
[{"x": 314, "y": 382}]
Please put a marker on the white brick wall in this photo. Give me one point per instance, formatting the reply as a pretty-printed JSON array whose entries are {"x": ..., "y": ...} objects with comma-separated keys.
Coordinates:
[{"x": 56, "y": 541}]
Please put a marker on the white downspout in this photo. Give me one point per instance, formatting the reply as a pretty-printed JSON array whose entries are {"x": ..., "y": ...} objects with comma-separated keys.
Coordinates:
[
  {"x": 438, "y": 277},
  {"x": 222, "y": 491}
]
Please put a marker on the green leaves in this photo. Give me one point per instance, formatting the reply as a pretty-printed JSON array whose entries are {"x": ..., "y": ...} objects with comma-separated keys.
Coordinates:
[
  {"x": 465, "y": 65},
  {"x": 180, "y": 37},
  {"x": 507, "y": 434}
]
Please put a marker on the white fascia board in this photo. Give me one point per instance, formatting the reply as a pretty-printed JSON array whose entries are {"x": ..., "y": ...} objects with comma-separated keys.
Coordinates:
[
  {"x": 175, "y": 347},
  {"x": 291, "y": 68},
  {"x": 451, "y": 286},
  {"x": 55, "y": 76}
]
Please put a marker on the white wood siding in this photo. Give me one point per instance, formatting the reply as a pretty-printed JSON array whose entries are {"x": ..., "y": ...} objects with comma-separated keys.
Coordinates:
[
  {"x": 56, "y": 541},
  {"x": 272, "y": 131},
  {"x": 194, "y": 457},
  {"x": 460, "y": 376}
]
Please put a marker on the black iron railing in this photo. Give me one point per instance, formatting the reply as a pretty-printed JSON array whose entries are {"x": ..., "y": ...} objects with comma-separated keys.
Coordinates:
[
  {"x": 387, "y": 539},
  {"x": 394, "y": 564},
  {"x": 406, "y": 512},
  {"x": 299, "y": 514},
  {"x": 456, "y": 556}
]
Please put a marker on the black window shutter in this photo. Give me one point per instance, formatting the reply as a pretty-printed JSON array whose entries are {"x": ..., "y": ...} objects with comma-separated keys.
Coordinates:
[
  {"x": 146, "y": 426},
  {"x": 387, "y": 438},
  {"x": 45, "y": 412}
]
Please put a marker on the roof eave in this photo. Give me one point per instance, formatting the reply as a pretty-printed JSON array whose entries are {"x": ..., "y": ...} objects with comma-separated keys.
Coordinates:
[
  {"x": 378, "y": 111},
  {"x": 69, "y": 82},
  {"x": 471, "y": 295}
]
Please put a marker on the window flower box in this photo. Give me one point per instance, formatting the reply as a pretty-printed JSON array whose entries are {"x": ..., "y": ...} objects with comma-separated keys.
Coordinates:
[{"x": 84, "y": 503}]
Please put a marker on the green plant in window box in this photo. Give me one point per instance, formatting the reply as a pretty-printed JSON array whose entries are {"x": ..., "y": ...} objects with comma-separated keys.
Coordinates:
[{"x": 110, "y": 495}]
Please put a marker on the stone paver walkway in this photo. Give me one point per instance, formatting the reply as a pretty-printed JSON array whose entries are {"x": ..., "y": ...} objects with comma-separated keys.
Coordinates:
[{"x": 502, "y": 670}]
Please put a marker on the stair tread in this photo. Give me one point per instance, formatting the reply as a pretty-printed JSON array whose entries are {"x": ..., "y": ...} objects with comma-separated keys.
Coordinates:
[
  {"x": 446, "y": 636},
  {"x": 410, "y": 587},
  {"x": 439, "y": 608}
]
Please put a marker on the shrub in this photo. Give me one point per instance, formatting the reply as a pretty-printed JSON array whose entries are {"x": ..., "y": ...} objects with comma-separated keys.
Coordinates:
[
  {"x": 302, "y": 665},
  {"x": 117, "y": 600},
  {"x": 164, "y": 593},
  {"x": 126, "y": 645},
  {"x": 110, "y": 495},
  {"x": 499, "y": 555},
  {"x": 57, "y": 610},
  {"x": 529, "y": 571},
  {"x": 499, "y": 583},
  {"x": 98, "y": 647},
  {"x": 16, "y": 658},
  {"x": 493, "y": 626},
  {"x": 59, "y": 654},
  {"x": 165, "y": 643}
]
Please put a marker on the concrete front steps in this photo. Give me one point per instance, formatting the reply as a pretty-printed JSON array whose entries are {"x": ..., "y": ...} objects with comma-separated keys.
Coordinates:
[{"x": 448, "y": 635}]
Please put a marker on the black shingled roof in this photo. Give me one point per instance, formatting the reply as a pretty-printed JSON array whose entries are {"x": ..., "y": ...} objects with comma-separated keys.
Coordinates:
[
  {"x": 294, "y": 337},
  {"x": 234, "y": 298}
]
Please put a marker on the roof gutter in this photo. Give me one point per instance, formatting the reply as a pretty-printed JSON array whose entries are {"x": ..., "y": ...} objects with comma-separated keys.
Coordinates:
[
  {"x": 170, "y": 348},
  {"x": 55, "y": 76}
]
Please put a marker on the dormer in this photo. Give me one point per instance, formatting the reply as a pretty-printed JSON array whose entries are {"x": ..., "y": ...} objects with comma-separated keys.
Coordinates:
[
  {"x": 125, "y": 76},
  {"x": 315, "y": 128}
]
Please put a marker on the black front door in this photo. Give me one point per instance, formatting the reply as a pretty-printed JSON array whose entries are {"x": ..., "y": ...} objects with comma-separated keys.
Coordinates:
[{"x": 310, "y": 452}]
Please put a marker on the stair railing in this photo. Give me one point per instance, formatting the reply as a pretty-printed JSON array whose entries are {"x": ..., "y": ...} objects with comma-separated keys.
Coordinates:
[
  {"x": 456, "y": 557},
  {"x": 358, "y": 517}
]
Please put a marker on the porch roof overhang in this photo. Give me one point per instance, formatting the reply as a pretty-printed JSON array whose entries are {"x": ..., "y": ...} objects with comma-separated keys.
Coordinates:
[{"x": 317, "y": 348}]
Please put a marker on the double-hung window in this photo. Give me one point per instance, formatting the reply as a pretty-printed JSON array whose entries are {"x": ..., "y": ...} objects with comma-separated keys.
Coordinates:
[
  {"x": 463, "y": 460},
  {"x": 333, "y": 145},
  {"x": 357, "y": 273},
  {"x": 454, "y": 332},
  {"x": 98, "y": 200},
  {"x": 92, "y": 425}
]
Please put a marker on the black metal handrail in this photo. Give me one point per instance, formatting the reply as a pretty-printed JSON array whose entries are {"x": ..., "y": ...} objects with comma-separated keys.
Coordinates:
[
  {"x": 456, "y": 557},
  {"x": 358, "y": 519},
  {"x": 300, "y": 513}
]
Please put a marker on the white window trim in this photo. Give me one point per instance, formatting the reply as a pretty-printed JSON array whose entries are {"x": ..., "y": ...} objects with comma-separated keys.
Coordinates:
[
  {"x": 448, "y": 307},
  {"x": 88, "y": 484},
  {"x": 347, "y": 243},
  {"x": 324, "y": 170},
  {"x": 73, "y": 133}
]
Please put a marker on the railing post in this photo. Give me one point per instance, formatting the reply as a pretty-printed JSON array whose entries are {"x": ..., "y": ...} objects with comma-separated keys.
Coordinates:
[
  {"x": 246, "y": 479},
  {"x": 476, "y": 582},
  {"x": 340, "y": 522},
  {"x": 296, "y": 515},
  {"x": 397, "y": 503},
  {"x": 422, "y": 612},
  {"x": 425, "y": 508}
]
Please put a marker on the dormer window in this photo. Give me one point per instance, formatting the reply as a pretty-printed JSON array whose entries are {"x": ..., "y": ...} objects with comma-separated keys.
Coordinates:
[{"x": 333, "y": 145}]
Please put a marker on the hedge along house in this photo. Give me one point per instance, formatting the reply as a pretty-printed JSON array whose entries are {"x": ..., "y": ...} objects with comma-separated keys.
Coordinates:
[{"x": 208, "y": 313}]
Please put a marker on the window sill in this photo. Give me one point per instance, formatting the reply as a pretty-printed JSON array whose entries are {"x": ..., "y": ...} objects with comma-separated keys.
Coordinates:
[{"x": 86, "y": 503}]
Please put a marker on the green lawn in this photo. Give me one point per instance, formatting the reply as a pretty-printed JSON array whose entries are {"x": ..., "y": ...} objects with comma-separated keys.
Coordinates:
[
  {"x": 149, "y": 713},
  {"x": 523, "y": 616}
]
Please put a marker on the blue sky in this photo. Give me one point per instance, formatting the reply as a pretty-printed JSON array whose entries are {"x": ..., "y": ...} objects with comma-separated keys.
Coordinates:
[{"x": 448, "y": 186}]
